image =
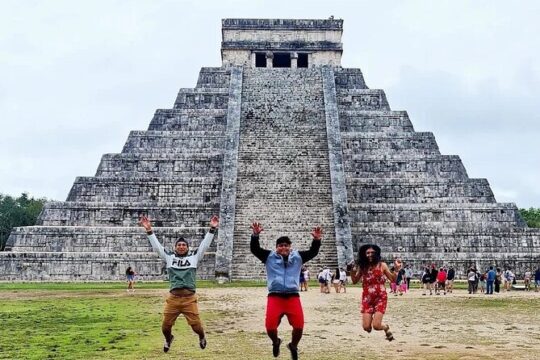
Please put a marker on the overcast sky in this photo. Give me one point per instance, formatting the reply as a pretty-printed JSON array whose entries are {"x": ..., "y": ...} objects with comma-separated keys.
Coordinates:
[{"x": 77, "y": 76}]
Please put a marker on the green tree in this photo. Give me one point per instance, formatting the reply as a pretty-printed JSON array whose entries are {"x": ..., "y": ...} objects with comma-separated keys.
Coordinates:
[
  {"x": 531, "y": 216},
  {"x": 21, "y": 211}
]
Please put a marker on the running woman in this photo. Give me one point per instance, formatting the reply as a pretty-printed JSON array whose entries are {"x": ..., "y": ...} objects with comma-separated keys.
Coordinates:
[
  {"x": 182, "y": 269},
  {"x": 283, "y": 266},
  {"x": 374, "y": 273}
]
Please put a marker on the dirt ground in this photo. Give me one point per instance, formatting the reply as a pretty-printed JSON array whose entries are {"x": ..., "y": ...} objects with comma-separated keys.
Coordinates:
[{"x": 455, "y": 326}]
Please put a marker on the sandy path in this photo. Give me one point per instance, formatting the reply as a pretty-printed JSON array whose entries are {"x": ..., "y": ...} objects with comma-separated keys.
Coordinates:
[{"x": 454, "y": 326}]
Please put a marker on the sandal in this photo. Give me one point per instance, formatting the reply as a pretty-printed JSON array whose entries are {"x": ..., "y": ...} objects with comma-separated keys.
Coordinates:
[{"x": 389, "y": 335}]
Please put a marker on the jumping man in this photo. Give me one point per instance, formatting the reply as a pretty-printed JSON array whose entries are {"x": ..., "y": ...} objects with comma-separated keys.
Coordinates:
[
  {"x": 283, "y": 266},
  {"x": 182, "y": 269}
]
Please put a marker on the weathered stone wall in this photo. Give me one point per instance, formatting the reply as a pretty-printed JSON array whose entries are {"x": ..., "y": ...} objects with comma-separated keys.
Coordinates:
[
  {"x": 291, "y": 148},
  {"x": 283, "y": 166},
  {"x": 172, "y": 173},
  {"x": 416, "y": 203}
]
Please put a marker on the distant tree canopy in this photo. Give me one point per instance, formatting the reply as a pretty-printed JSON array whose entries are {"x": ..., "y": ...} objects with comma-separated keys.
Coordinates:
[
  {"x": 531, "y": 216},
  {"x": 21, "y": 211}
]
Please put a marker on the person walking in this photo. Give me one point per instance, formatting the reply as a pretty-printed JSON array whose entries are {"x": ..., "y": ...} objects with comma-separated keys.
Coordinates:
[
  {"x": 182, "y": 269},
  {"x": 433, "y": 278},
  {"x": 441, "y": 281},
  {"x": 490, "y": 280},
  {"x": 498, "y": 280},
  {"x": 426, "y": 279},
  {"x": 409, "y": 273},
  {"x": 450, "y": 276},
  {"x": 374, "y": 272},
  {"x": 527, "y": 280},
  {"x": 283, "y": 267},
  {"x": 471, "y": 279},
  {"x": 130, "y": 276}
]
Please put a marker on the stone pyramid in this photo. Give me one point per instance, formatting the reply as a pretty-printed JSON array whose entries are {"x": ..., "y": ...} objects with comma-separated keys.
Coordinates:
[{"x": 284, "y": 135}]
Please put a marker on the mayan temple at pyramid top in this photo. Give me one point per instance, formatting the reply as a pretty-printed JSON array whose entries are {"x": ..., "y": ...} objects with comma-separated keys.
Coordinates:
[
  {"x": 283, "y": 135},
  {"x": 281, "y": 42}
]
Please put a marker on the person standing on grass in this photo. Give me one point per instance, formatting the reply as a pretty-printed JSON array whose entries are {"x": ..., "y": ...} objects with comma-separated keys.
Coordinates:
[
  {"x": 471, "y": 279},
  {"x": 343, "y": 279},
  {"x": 130, "y": 275},
  {"x": 527, "y": 280},
  {"x": 433, "y": 278},
  {"x": 374, "y": 273},
  {"x": 498, "y": 280},
  {"x": 283, "y": 267},
  {"x": 450, "y": 279},
  {"x": 409, "y": 273},
  {"x": 426, "y": 278},
  {"x": 182, "y": 268},
  {"x": 490, "y": 280},
  {"x": 441, "y": 281}
]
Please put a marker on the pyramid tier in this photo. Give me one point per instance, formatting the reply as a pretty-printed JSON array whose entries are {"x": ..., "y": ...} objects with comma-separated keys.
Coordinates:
[
  {"x": 388, "y": 190},
  {"x": 200, "y": 190},
  {"x": 170, "y": 164},
  {"x": 202, "y": 98},
  {"x": 405, "y": 167},
  {"x": 375, "y": 121},
  {"x": 189, "y": 119},
  {"x": 181, "y": 214},
  {"x": 161, "y": 142}
]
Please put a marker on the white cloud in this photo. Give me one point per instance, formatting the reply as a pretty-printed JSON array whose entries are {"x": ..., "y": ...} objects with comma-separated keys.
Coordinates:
[{"x": 77, "y": 76}]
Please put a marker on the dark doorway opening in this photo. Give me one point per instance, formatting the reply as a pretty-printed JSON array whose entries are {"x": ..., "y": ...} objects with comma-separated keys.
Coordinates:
[
  {"x": 282, "y": 60},
  {"x": 260, "y": 60},
  {"x": 302, "y": 61}
]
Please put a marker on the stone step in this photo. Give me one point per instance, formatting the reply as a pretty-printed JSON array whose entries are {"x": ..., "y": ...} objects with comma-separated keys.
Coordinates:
[
  {"x": 99, "y": 239},
  {"x": 408, "y": 166},
  {"x": 450, "y": 241},
  {"x": 202, "y": 98},
  {"x": 168, "y": 164},
  {"x": 189, "y": 119},
  {"x": 214, "y": 77},
  {"x": 418, "y": 190},
  {"x": 374, "y": 121},
  {"x": 407, "y": 215},
  {"x": 389, "y": 143},
  {"x": 94, "y": 266},
  {"x": 361, "y": 99},
  {"x": 202, "y": 190},
  {"x": 162, "y": 141},
  {"x": 125, "y": 214},
  {"x": 349, "y": 78}
]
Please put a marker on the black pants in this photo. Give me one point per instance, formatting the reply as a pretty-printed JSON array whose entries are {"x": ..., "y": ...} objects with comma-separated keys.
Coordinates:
[
  {"x": 497, "y": 286},
  {"x": 471, "y": 286}
]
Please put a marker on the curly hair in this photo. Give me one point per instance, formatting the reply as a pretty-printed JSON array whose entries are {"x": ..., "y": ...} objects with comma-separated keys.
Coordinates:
[{"x": 363, "y": 262}]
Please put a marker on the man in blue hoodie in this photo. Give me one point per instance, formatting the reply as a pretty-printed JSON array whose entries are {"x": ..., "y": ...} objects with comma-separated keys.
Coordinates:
[{"x": 283, "y": 266}]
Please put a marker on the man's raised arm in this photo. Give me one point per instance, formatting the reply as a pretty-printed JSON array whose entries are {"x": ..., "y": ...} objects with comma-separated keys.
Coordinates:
[
  {"x": 255, "y": 246},
  {"x": 205, "y": 244},
  {"x": 315, "y": 245},
  {"x": 145, "y": 223}
]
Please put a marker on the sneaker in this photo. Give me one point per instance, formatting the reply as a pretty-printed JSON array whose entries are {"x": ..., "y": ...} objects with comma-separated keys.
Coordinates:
[
  {"x": 167, "y": 345},
  {"x": 202, "y": 343},
  {"x": 275, "y": 348},
  {"x": 293, "y": 350}
]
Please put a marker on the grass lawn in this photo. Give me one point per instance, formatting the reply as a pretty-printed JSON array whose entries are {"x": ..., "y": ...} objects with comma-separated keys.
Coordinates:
[{"x": 101, "y": 321}]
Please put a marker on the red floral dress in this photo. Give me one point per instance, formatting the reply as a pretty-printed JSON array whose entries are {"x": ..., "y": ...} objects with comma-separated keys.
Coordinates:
[{"x": 374, "y": 296}]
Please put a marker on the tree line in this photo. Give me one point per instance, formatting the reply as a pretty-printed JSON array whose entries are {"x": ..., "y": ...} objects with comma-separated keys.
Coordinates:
[
  {"x": 24, "y": 211},
  {"x": 20, "y": 211}
]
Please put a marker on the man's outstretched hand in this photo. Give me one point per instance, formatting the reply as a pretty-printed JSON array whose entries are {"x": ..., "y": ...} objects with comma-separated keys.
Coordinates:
[
  {"x": 214, "y": 222},
  {"x": 145, "y": 223},
  {"x": 317, "y": 233},
  {"x": 257, "y": 228}
]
